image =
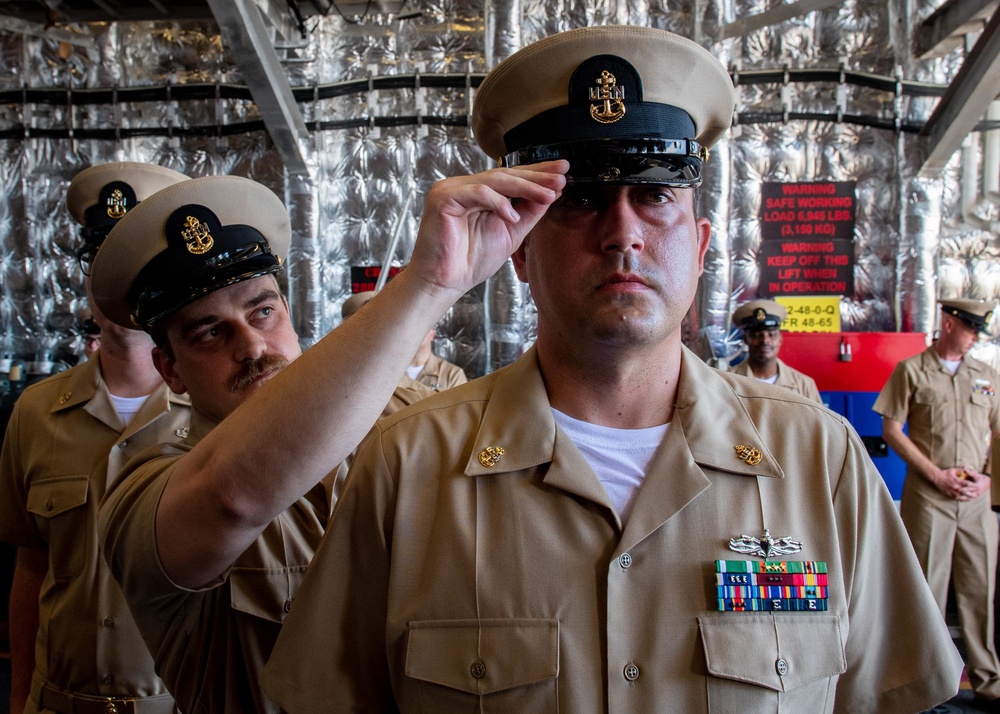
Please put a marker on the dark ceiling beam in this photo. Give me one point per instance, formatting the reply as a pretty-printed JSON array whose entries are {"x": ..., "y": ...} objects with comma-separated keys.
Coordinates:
[
  {"x": 950, "y": 23},
  {"x": 65, "y": 14},
  {"x": 246, "y": 36},
  {"x": 964, "y": 103},
  {"x": 108, "y": 9},
  {"x": 779, "y": 13}
]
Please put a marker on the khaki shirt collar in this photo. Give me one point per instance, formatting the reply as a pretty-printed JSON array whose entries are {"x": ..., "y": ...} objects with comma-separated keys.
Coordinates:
[
  {"x": 931, "y": 361},
  {"x": 200, "y": 426},
  {"x": 432, "y": 367},
  {"x": 518, "y": 418},
  {"x": 79, "y": 387},
  {"x": 784, "y": 376},
  {"x": 708, "y": 423},
  {"x": 715, "y": 421},
  {"x": 85, "y": 386}
]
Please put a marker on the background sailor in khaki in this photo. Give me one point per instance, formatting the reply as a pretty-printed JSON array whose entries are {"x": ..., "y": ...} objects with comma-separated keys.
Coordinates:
[
  {"x": 426, "y": 368},
  {"x": 408, "y": 391},
  {"x": 949, "y": 402},
  {"x": 73, "y": 641},
  {"x": 436, "y": 372},
  {"x": 761, "y": 321},
  {"x": 545, "y": 538},
  {"x": 91, "y": 332},
  {"x": 210, "y": 538}
]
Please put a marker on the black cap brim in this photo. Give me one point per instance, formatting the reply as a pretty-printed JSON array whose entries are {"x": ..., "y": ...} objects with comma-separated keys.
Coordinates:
[{"x": 663, "y": 162}]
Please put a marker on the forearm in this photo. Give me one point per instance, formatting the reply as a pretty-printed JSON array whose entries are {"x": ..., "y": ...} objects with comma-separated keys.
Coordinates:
[{"x": 25, "y": 588}]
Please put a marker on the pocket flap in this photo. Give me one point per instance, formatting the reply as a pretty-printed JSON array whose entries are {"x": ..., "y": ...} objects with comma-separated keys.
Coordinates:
[
  {"x": 53, "y": 496},
  {"x": 266, "y": 594},
  {"x": 483, "y": 656},
  {"x": 779, "y": 652}
]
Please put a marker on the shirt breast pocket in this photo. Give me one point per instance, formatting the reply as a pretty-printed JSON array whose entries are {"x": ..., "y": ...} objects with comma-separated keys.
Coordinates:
[
  {"x": 60, "y": 507},
  {"x": 508, "y": 665},
  {"x": 981, "y": 400},
  {"x": 769, "y": 663},
  {"x": 923, "y": 408},
  {"x": 265, "y": 594}
]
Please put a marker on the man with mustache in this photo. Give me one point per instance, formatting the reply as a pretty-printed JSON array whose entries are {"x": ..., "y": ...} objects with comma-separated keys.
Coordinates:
[
  {"x": 761, "y": 321},
  {"x": 555, "y": 536},
  {"x": 210, "y": 539}
]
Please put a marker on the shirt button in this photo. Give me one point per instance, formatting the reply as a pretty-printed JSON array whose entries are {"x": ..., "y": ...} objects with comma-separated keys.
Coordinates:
[
  {"x": 288, "y": 605},
  {"x": 631, "y": 672},
  {"x": 477, "y": 669},
  {"x": 110, "y": 679},
  {"x": 625, "y": 560},
  {"x": 123, "y": 444},
  {"x": 109, "y": 622},
  {"x": 781, "y": 667},
  {"x": 48, "y": 505}
]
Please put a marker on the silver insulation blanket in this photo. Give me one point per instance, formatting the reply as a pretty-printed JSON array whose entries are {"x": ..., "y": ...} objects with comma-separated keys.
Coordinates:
[{"x": 916, "y": 239}]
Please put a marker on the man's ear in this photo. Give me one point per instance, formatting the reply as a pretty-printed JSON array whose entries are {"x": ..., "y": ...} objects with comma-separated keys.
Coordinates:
[
  {"x": 703, "y": 229},
  {"x": 164, "y": 364},
  {"x": 947, "y": 324}
]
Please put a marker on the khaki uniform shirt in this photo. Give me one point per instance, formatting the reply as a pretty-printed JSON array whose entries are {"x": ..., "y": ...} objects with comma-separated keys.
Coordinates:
[
  {"x": 65, "y": 443},
  {"x": 209, "y": 644},
  {"x": 788, "y": 377},
  {"x": 408, "y": 391},
  {"x": 450, "y": 581},
  {"x": 995, "y": 474},
  {"x": 441, "y": 374}
]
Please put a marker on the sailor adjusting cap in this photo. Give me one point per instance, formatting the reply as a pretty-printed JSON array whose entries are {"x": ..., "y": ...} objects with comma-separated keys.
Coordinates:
[
  {"x": 629, "y": 105},
  {"x": 974, "y": 313},
  {"x": 759, "y": 315},
  {"x": 100, "y": 196},
  {"x": 185, "y": 242}
]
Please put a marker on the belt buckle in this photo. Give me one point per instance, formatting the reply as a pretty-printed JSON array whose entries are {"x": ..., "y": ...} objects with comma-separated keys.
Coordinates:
[{"x": 119, "y": 705}]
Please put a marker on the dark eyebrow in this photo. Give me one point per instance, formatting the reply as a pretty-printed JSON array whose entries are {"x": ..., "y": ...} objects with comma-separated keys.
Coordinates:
[{"x": 266, "y": 295}]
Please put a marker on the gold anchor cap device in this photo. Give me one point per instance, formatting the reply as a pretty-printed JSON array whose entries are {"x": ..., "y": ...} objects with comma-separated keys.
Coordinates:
[
  {"x": 100, "y": 196},
  {"x": 187, "y": 241},
  {"x": 625, "y": 105}
]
